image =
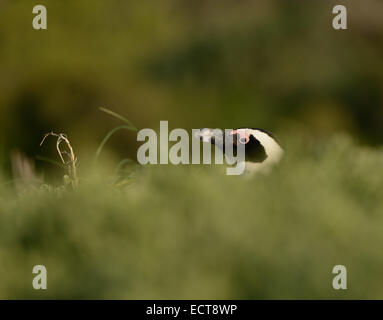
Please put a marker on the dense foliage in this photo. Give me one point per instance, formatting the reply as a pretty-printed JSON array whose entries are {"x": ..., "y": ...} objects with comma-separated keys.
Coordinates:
[{"x": 193, "y": 232}]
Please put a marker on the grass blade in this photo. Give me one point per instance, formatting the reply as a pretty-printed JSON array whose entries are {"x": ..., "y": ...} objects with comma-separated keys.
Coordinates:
[
  {"x": 124, "y": 162},
  {"x": 107, "y": 137},
  {"x": 120, "y": 117}
]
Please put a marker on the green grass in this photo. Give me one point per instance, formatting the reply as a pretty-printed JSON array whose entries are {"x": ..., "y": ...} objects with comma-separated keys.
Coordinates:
[{"x": 193, "y": 232}]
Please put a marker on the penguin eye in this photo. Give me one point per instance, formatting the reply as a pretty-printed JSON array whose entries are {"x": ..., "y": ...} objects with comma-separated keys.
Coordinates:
[{"x": 244, "y": 139}]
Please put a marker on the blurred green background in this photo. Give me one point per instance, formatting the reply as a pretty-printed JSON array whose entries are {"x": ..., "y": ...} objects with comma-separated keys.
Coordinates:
[{"x": 273, "y": 64}]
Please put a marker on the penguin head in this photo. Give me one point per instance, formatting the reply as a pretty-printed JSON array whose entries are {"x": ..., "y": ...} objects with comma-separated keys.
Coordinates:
[{"x": 261, "y": 146}]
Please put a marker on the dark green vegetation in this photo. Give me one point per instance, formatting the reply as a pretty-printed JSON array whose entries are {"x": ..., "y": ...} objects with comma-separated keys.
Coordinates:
[{"x": 192, "y": 232}]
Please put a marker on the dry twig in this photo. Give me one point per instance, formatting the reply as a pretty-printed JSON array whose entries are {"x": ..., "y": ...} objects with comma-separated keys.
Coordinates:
[{"x": 71, "y": 164}]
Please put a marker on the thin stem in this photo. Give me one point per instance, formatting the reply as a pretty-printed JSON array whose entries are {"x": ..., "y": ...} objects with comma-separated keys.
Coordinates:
[{"x": 72, "y": 168}]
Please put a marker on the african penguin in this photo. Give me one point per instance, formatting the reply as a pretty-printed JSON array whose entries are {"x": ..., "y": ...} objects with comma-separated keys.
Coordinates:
[{"x": 261, "y": 147}]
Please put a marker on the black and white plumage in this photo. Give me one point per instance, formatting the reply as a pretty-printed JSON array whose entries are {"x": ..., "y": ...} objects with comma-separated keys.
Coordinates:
[{"x": 261, "y": 147}]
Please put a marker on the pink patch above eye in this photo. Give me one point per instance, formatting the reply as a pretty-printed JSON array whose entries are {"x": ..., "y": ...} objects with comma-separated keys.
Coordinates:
[{"x": 243, "y": 137}]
